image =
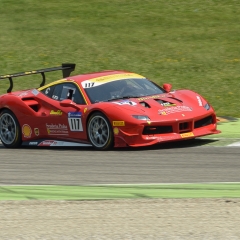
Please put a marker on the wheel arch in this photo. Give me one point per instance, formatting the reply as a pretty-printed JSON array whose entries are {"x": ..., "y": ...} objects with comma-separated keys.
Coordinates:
[
  {"x": 96, "y": 111},
  {"x": 93, "y": 112},
  {"x": 5, "y": 108},
  {"x": 17, "y": 140}
]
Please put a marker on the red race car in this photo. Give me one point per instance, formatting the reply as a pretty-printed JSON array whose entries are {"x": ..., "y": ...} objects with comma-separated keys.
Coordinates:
[{"x": 103, "y": 109}]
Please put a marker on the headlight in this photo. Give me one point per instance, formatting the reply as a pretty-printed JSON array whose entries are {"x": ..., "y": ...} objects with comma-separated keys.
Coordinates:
[
  {"x": 141, "y": 117},
  {"x": 207, "y": 106}
]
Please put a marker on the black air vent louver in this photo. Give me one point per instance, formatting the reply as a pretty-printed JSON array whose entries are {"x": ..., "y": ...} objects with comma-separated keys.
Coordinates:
[
  {"x": 203, "y": 122},
  {"x": 149, "y": 130},
  {"x": 177, "y": 99},
  {"x": 144, "y": 104}
]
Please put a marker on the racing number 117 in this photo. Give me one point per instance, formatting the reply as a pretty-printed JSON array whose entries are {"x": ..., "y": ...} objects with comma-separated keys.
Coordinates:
[
  {"x": 88, "y": 85},
  {"x": 75, "y": 124}
]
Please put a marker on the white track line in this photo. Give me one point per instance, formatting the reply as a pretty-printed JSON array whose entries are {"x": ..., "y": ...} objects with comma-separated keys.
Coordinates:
[{"x": 236, "y": 144}]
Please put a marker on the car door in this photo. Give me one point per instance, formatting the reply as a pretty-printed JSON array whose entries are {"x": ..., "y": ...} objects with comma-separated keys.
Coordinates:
[{"x": 64, "y": 121}]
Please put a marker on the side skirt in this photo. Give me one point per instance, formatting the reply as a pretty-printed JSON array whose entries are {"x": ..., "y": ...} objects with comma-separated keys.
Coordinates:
[{"x": 54, "y": 143}]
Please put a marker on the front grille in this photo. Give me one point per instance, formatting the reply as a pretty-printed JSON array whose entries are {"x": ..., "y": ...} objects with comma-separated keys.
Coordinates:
[
  {"x": 183, "y": 126},
  {"x": 149, "y": 130},
  {"x": 203, "y": 122}
]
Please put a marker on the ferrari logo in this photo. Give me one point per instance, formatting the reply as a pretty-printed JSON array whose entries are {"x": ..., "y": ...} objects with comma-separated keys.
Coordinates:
[{"x": 36, "y": 131}]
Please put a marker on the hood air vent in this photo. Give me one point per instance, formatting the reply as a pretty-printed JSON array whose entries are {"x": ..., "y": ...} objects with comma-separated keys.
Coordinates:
[
  {"x": 177, "y": 99},
  {"x": 144, "y": 104},
  {"x": 32, "y": 103},
  {"x": 165, "y": 103}
]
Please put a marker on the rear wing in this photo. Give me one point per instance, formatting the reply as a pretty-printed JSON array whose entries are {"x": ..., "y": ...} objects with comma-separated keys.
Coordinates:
[{"x": 66, "y": 68}]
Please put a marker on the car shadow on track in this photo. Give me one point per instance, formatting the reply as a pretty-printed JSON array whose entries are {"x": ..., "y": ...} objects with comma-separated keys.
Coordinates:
[
  {"x": 174, "y": 144},
  {"x": 167, "y": 145}
]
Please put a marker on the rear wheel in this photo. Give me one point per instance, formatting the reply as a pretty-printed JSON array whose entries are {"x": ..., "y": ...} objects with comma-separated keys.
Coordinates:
[
  {"x": 100, "y": 132},
  {"x": 10, "y": 133}
]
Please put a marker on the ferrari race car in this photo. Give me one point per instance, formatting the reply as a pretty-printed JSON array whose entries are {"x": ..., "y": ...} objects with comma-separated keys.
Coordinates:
[{"x": 102, "y": 109}]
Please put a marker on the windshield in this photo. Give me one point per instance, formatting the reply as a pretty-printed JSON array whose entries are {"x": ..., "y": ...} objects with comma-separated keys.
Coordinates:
[{"x": 125, "y": 88}]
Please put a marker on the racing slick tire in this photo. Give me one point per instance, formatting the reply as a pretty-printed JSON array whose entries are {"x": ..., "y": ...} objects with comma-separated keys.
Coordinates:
[
  {"x": 10, "y": 131},
  {"x": 100, "y": 132}
]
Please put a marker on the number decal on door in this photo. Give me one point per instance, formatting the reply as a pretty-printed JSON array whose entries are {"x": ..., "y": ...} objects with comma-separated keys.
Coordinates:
[{"x": 75, "y": 121}]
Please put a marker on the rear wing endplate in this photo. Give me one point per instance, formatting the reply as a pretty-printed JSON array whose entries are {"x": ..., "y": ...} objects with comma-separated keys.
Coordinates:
[{"x": 66, "y": 68}]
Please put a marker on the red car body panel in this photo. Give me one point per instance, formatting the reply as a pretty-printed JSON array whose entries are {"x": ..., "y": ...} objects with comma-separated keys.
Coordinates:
[{"x": 43, "y": 118}]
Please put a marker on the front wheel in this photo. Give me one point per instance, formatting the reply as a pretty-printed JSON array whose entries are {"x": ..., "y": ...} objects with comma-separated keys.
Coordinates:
[
  {"x": 100, "y": 132},
  {"x": 10, "y": 133}
]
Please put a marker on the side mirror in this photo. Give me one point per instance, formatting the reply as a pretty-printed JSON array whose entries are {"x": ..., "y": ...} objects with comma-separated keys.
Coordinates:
[
  {"x": 167, "y": 87},
  {"x": 69, "y": 103}
]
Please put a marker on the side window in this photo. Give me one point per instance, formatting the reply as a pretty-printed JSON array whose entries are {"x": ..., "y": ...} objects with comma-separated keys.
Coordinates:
[
  {"x": 65, "y": 91},
  {"x": 48, "y": 91},
  {"x": 57, "y": 92}
]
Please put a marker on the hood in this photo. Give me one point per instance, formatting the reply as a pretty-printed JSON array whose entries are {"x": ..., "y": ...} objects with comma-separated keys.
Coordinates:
[{"x": 164, "y": 104}]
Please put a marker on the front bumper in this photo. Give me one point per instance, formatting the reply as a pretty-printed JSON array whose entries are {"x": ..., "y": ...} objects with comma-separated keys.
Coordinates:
[{"x": 146, "y": 134}]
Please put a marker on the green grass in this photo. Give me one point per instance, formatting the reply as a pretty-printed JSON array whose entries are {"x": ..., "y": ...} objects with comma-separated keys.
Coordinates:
[
  {"x": 190, "y": 44},
  {"x": 148, "y": 191}
]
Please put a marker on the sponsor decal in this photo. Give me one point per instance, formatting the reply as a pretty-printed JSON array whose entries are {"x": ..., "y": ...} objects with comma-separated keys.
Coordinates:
[
  {"x": 58, "y": 112},
  {"x": 47, "y": 90},
  {"x": 116, "y": 131},
  {"x": 35, "y": 92},
  {"x": 31, "y": 72},
  {"x": 5, "y": 76},
  {"x": 199, "y": 101},
  {"x": 170, "y": 110},
  {"x": 168, "y": 104},
  {"x": 163, "y": 113},
  {"x": 118, "y": 123},
  {"x": 33, "y": 143},
  {"x": 23, "y": 94},
  {"x": 27, "y": 131},
  {"x": 151, "y": 97},
  {"x": 55, "y": 97},
  {"x": 109, "y": 78},
  {"x": 36, "y": 131},
  {"x": 57, "y": 129},
  {"x": 74, "y": 114},
  {"x": 46, "y": 143},
  {"x": 186, "y": 135},
  {"x": 125, "y": 102},
  {"x": 13, "y": 75},
  {"x": 85, "y": 110},
  {"x": 149, "y": 122},
  {"x": 54, "y": 143},
  {"x": 75, "y": 121}
]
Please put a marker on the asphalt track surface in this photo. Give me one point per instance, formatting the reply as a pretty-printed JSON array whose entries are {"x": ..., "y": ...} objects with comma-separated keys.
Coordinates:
[{"x": 183, "y": 162}]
